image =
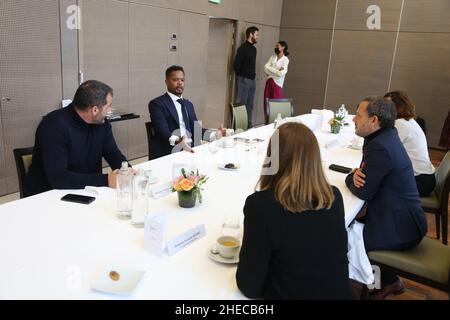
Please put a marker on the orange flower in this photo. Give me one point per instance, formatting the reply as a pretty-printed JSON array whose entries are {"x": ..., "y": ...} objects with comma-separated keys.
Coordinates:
[
  {"x": 176, "y": 184},
  {"x": 186, "y": 185}
]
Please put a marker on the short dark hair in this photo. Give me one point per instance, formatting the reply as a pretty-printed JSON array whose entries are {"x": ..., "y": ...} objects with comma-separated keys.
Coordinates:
[
  {"x": 91, "y": 93},
  {"x": 405, "y": 107},
  {"x": 250, "y": 31},
  {"x": 173, "y": 69},
  {"x": 383, "y": 109}
]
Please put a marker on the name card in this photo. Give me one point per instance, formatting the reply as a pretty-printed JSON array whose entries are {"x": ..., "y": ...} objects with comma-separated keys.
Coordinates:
[
  {"x": 186, "y": 239},
  {"x": 161, "y": 190},
  {"x": 155, "y": 233}
]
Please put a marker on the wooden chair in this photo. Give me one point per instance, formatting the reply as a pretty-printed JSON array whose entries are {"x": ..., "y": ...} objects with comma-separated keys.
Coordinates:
[
  {"x": 437, "y": 202},
  {"x": 23, "y": 158},
  {"x": 150, "y": 134}
]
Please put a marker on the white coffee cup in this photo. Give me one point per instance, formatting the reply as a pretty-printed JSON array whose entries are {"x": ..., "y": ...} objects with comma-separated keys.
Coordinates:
[{"x": 228, "y": 246}]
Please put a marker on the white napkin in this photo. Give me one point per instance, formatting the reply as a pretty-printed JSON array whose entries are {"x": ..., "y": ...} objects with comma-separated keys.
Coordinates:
[
  {"x": 327, "y": 115},
  {"x": 359, "y": 266},
  {"x": 98, "y": 191}
]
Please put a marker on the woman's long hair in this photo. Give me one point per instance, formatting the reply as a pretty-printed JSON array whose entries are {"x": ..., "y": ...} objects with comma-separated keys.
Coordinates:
[
  {"x": 404, "y": 105},
  {"x": 300, "y": 182}
]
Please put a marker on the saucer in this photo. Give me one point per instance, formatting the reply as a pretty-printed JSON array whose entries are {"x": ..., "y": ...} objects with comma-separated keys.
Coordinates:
[
  {"x": 117, "y": 280},
  {"x": 216, "y": 257},
  {"x": 222, "y": 166}
]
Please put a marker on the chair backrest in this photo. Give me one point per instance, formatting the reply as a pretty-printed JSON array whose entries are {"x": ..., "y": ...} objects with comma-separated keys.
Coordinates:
[
  {"x": 150, "y": 134},
  {"x": 23, "y": 158},
  {"x": 239, "y": 119},
  {"x": 443, "y": 179},
  {"x": 421, "y": 122},
  {"x": 279, "y": 106}
]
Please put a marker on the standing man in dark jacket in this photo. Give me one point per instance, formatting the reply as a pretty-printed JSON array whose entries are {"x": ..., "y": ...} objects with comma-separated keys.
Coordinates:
[
  {"x": 385, "y": 180},
  {"x": 71, "y": 142},
  {"x": 245, "y": 69}
]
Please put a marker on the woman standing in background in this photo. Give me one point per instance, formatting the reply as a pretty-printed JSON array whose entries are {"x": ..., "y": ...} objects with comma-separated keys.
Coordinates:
[{"x": 276, "y": 69}]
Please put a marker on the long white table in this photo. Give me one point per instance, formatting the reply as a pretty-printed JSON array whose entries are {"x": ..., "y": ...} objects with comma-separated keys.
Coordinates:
[{"x": 52, "y": 249}]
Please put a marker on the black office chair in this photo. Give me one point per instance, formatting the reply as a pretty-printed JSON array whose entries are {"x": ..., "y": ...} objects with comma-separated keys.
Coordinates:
[
  {"x": 150, "y": 134},
  {"x": 23, "y": 158},
  {"x": 421, "y": 122}
]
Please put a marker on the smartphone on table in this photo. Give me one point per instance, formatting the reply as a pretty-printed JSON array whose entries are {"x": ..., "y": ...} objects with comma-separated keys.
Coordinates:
[{"x": 77, "y": 198}]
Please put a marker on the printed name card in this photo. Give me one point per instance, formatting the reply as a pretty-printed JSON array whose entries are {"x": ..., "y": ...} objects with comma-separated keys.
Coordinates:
[
  {"x": 155, "y": 233},
  {"x": 186, "y": 239},
  {"x": 161, "y": 190}
]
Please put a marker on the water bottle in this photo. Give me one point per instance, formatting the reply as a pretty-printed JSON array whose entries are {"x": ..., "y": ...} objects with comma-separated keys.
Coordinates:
[
  {"x": 124, "y": 192},
  {"x": 140, "y": 199},
  {"x": 343, "y": 111}
]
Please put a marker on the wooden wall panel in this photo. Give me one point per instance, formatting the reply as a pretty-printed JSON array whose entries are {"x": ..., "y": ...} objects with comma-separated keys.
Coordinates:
[
  {"x": 421, "y": 69},
  {"x": 352, "y": 14}
]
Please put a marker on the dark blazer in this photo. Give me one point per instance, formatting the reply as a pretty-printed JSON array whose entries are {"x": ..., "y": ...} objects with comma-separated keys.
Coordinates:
[
  {"x": 394, "y": 217},
  {"x": 287, "y": 255},
  {"x": 165, "y": 121},
  {"x": 68, "y": 151}
]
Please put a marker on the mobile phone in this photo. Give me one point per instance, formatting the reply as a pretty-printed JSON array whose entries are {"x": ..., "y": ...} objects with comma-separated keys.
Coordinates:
[
  {"x": 78, "y": 198},
  {"x": 339, "y": 168}
]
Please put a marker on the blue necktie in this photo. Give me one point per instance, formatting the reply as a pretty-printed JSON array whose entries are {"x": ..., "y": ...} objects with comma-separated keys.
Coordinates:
[{"x": 184, "y": 112}]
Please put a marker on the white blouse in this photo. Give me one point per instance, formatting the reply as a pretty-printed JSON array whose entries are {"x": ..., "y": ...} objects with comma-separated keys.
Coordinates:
[
  {"x": 415, "y": 143},
  {"x": 273, "y": 66}
]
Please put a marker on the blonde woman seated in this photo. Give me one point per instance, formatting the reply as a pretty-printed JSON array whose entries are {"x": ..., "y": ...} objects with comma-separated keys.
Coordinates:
[
  {"x": 414, "y": 141},
  {"x": 295, "y": 241}
]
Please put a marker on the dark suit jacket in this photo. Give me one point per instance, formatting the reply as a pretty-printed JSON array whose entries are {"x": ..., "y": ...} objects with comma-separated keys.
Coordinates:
[
  {"x": 165, "y": 121},
  {"x": 288, "y": 255},
  {"x": 394, "y": 217}
]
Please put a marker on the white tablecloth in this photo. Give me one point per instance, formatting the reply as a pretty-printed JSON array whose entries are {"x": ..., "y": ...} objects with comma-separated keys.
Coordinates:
[{"x": 55, "y": 249}]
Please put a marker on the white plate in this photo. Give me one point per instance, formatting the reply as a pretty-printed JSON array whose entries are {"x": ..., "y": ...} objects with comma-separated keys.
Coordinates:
[
  {"x": 127, "y": 282},
  {"x": 222, "y": 166},
  {"x": 218, "y": 258}
]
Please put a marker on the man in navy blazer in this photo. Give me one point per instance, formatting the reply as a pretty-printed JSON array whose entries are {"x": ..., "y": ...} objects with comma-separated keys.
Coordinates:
[
  {"x": 173, "y": 118},
  {"x": 394, "y": 219}
]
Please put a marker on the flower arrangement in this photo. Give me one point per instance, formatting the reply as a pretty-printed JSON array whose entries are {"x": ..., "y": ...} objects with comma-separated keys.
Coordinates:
[
  {"x": 189, "y": 185},
  {"x": 337, "y": 121}
]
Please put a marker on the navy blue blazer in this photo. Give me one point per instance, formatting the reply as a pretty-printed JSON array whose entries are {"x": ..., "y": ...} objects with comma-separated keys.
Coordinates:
[
  {"x": 164, "y": 117},
  {"x": 394, "y": 217}
]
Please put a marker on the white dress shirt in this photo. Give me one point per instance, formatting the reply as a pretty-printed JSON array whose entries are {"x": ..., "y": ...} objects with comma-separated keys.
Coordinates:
[
  {"x": 273, "y": 66},
  {"x": 183, "y": 131},
  {"x": 415, "y": 143}
]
